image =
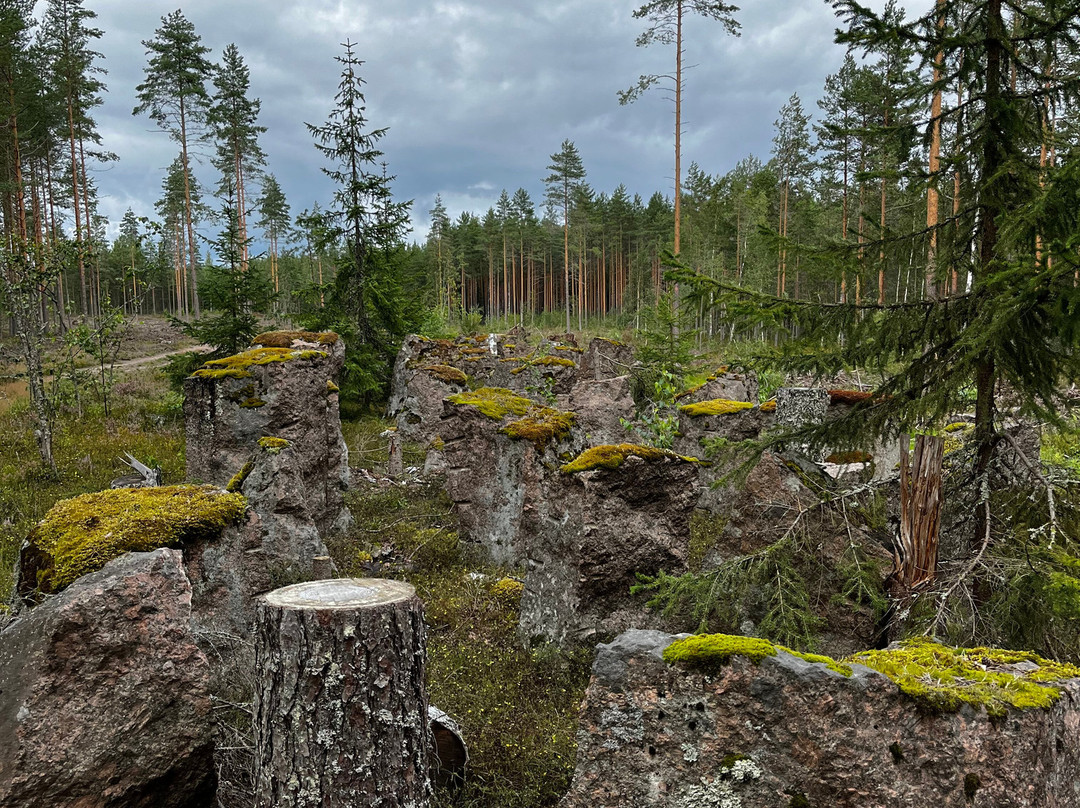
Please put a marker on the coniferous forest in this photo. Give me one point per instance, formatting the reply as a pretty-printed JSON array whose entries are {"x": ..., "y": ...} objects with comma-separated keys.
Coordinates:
[{"x": 914, "y": 234}]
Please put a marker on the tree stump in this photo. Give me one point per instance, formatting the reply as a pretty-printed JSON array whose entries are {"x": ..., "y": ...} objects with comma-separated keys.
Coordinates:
[{"x": 341, "y": 712}]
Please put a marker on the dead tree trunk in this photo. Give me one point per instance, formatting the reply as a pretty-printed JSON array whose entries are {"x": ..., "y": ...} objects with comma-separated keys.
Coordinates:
[
  {"x": 920, "y": 510},
  {"x": 341, "y": 713}
]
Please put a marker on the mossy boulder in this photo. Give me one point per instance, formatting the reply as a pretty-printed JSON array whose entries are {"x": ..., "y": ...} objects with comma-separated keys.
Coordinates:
[
  {"x": 80, "y": 535},
  {"x": 282, "y": 389},
  {"x": 724, "y": 720}
]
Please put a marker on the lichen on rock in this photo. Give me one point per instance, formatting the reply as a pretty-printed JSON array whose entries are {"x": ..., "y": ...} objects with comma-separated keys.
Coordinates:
[
  {"x": 82, "y": 534},
  {"x": 446, "y": 373}
]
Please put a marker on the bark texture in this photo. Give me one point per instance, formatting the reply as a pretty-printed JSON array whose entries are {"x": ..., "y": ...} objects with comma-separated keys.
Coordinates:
[
  {"x": 341, "y": 709},
  {"x": 920, "y": 509}
]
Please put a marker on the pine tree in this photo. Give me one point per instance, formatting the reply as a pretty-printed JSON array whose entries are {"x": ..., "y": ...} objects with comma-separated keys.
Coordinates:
[
  {"x": 173, "y": 94},
  {"x": 666, "y": 27},
  {"x": 66, "y": 41},
  {"x": 233, "y": 120},
  {"x": 791, "y": 150},
  {"x": 567, "y": 173},
  {"x": 274, "y": 220}
]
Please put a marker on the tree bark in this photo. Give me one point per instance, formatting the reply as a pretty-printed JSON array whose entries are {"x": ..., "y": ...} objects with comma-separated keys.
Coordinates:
[
  {"x": 341, "y": 712},
  {"x": 920, "y": 509}
]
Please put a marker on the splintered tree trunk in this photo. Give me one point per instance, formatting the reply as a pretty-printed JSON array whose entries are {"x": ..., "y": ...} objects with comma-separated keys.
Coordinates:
[
  {"x": 341, "y": 712},
  {"x": 920, "y": 509}
]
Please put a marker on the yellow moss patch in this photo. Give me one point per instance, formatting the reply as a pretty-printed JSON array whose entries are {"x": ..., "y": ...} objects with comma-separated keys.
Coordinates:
[
  {"x": 252, "y": 403},
  {"x": 81, "y": 535},
  {"x": 331, "y": 387},
  {"x": 494, "y": 402},
  {"x": 707, "y": 652},
  {"x": 958, "y": 426},
  {"x": 273, "y": 445},
  {"x": 508, "y": 589},
  {"x": 541, "y": 426},
  {"x": 474, "y": 351},
  {"x": 235, "y": 367},
  {"x": 546, "y": 361},
  {"x": 613, "y": 456},
  {"x": 569, "y": 348},
  {"x": 769, "y": 406},
  {"x": 716, "y": 406},
  {"x": 285, "y": 339},
  {"x": 237, "y": 480},
  {"x": 446, "y": 373},
  {"x": 941, "y": 678}
]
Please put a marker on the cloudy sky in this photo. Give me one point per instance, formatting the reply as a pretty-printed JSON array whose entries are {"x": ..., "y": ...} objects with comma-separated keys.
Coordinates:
[{"x": 477, "y": 94}]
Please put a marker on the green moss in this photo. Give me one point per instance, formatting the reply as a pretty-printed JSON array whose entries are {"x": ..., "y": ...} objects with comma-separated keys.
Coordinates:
[
  {"x": 273, "y": 445},
  {"x": 570, "y": 348},
  {"x": 446, "y": 373},
  {"x": 494, "y": 402},
  {"x": 707, "y": 653},
  {"x": 799, "y": 800},
  {"x": 730, "y": 759},
  {"x": 545, "y": 361},
  {"x": 237, "y": 481},
  {"x": 473, "y": 351},
  {"x": 236, "y": 367},
  {"x": 706, "y": 530},
  {"x": 828, "y": 662},
  {"x": 716, "y": 406},
  {"x": 956, "y": 426},
  {"x": 613, "y": 456},
  {"x": 82, "y": 534},
  {"x": 331, "y": 387},
  {"x": 897, "y": 752},
  {"x": 541, "y": 426},
  {"x": 285, "y": 339},
  {"x": 252, "y": 403},
  {"x": 942, "y": 679}
]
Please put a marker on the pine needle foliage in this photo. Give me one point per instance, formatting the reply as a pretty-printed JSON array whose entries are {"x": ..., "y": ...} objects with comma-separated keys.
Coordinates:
[{"x": 1009, "y": 320}]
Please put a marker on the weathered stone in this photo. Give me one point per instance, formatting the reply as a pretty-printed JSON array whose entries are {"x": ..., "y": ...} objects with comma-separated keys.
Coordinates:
[
  {"x": 605, "y": 359},
  {"x": 788, "y": 732},
  {"x": 726, "y": 385},
  {"x": 229, "y": 407},
  {"x": 278, "y": 544},
  {"x": 599, "y": 408},
  {"x": 739, "y": 425},
  {"x": 800, "y": 406},
  {"x": 587, "y": 535},
  {"x": 103, "y": 694}
]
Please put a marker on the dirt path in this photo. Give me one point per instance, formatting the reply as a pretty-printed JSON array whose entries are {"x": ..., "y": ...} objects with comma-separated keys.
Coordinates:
[{"x": 15, "y": 389}]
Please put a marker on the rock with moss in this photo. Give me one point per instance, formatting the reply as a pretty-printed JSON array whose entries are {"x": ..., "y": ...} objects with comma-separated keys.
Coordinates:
[
  {"x": 104, "y": 694},
  {"x": 601, "y": 406},
  {"x": 677, "y": 721},
  {"x": 80, "y": 535},
  {"x": 605, "y": 516},
  {"x": 496, "y": 446},
  {"x": 723, "y": 384},
  {"x": 293, "y": 377},
  {"x": 605, "y": 359}
]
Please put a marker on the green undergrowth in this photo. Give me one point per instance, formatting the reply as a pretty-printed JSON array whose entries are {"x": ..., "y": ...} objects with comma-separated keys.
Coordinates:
[
  {"x": 939, "y": 678},
  {"x": 517, "y": 706},
  {"x": 145, "y": 419},
  {"x": 786, "y": 589}
]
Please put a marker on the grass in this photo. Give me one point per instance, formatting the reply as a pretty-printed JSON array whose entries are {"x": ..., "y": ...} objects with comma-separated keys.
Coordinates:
[
  {"x": 517, "y": 706},
  {"x": 145, "y": 421}
]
